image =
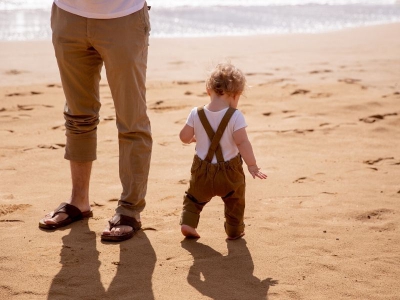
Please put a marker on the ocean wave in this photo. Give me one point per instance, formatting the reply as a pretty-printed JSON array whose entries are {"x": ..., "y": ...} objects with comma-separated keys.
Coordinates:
[{"x": 188, "y": 21}]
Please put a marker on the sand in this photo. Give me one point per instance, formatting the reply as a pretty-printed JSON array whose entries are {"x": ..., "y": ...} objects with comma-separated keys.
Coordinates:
[{"x": 324, "y": 119}]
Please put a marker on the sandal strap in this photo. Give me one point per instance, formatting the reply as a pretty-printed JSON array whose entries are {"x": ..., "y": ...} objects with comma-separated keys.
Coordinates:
[
  {"x": 72, "y": 211},
  {"x": 119, "y": 219}
]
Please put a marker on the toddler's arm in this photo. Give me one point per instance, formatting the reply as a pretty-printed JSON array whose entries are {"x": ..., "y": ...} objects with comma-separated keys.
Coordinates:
[
  {"x": 246, "y": 150},
  {"x": 187, "y": 134}
]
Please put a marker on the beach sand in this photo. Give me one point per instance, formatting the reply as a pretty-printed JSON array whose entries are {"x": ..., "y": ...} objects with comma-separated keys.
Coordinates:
[{"x": 323, "y": 114}]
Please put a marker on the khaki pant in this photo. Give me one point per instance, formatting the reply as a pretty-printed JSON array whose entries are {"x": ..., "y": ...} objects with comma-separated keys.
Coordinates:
[
  {"x": 81, "y": 47},
  {"x": 225, "y": 179}
]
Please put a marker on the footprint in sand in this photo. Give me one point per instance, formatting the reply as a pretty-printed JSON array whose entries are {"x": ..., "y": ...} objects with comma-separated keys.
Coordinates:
[
  {"x": 61, "y": 126},
  {"x": 303, "y": 130},
  {"x": 291, "y": 116},
  {"x": 24, "y": 107},
  {"x": 320, "y": 95},
  {"x": 292, "y": 130},
  {"x": 54, "y": 85},
  {"x": 159, "y": 108},
  {"x": 279, "y": 80},
  {"x": 300, "y": 92},
  {"x": 13, "y": 72},
  {"x": 183, "y": 181},
  {"x": 267, "y": 114},
  {"x": 377, "y": 117},
  {"x": 188, "y": 93},
  {"x": 394, "y": 94},
  {"x": 181, "y": 82},
  {"x": 375, "y": 161},
  {"x": 320, "y": 71},
  {"x": 13, "y": 94},
  {"x": 302, "y": 180},
  {"x": 349, "y": 80},
  {"x": 8, "y": 130},
  {"x": 109, "y": 118},
  {"x": 258, "y": 73},
  {"x": 6, "y": 209},
  {"x": 176, "y": 212},
  {"x": 375, "y": 215},
  {"x": 51, "y": 146},
  {"x": 23, "y": 94}
]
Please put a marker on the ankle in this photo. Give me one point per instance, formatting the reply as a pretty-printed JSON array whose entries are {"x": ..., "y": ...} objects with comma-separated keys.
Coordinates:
[{"x": 80, "y": 202}]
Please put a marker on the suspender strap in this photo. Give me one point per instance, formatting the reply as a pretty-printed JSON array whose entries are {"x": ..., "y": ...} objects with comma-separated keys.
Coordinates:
[{"x": 215, "y": 137}]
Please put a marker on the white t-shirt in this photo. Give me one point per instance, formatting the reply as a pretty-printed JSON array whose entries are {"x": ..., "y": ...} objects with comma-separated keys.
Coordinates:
[
  {"x": 229, "y": 148},
  {"x": 100, "y": 9}
]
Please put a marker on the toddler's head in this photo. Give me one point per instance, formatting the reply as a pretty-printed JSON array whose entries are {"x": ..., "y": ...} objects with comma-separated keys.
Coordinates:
[{"x": 226, "y": 79}]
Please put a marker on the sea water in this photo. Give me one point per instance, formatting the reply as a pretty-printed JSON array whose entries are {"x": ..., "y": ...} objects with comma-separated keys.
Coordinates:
[{"x": 22, "y": 20}]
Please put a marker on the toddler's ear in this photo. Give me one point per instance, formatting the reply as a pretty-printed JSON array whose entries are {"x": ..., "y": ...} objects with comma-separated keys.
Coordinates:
[{"x": 208, "y": 91}]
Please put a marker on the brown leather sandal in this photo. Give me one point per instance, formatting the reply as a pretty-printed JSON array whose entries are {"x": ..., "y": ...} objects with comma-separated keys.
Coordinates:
[
  {"x": 74, "y": 214},
  {"x": 117, "y": 220}
]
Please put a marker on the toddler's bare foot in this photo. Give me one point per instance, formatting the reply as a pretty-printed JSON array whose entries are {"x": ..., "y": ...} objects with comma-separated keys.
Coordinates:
[
  {"x": 189, "y": 232},
  {"x": 236, "y": 237}
]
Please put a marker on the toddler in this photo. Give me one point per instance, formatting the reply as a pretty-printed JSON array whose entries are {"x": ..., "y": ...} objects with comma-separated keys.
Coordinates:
[{"x": 219, "y": 131}]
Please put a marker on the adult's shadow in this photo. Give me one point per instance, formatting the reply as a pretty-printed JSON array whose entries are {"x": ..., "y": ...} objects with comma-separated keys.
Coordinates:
[
  {"x": 79, "y": 277},
  {"x": 225, "y": 277},
  {"x": 133, "y": 279}
]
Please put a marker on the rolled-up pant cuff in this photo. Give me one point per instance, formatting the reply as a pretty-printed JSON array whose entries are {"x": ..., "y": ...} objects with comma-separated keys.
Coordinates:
[
  {"x": 234, "y": 230},
  {"x": 128, "y": 210},
  {"x": 81, "y": 147},
  {"x": 189, "y": 218}
]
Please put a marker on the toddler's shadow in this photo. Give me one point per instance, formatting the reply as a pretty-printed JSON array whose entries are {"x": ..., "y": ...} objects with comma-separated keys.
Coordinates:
[{"x": 225, "y": 277}]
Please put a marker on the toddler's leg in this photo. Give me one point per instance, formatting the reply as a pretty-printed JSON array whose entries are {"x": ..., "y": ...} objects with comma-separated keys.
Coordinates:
[
  {"x": 190, "y": 216},
  {"x": 234, "y": 213}
]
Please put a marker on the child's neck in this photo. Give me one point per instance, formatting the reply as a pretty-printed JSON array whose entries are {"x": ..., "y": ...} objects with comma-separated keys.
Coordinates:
[{"x": 218, "y": 102}]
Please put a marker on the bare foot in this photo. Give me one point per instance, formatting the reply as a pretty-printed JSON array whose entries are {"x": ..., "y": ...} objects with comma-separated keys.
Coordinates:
[
  {"x": 236, "y": 237},
  {"x": 189, "y": 232}
]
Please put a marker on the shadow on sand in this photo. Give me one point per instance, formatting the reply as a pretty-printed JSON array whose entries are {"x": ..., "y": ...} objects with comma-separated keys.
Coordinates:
[
  {"x": 225, "y": 277},
  {"x": 79, "y": 277}
]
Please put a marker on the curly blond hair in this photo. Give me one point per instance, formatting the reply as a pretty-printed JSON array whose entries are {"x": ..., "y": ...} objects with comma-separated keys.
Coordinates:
[{"x": 226, "y": 79}]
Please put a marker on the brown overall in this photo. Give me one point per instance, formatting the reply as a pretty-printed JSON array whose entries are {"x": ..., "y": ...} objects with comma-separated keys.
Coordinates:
[{"x": 224, "y": 178}]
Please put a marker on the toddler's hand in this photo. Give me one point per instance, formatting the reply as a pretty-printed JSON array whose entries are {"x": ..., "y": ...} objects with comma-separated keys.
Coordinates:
[{"x": 255, "y": 172}]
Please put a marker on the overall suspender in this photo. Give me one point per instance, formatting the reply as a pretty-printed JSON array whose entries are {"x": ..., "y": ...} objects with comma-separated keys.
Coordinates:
[{"x": 215, "y": 137}]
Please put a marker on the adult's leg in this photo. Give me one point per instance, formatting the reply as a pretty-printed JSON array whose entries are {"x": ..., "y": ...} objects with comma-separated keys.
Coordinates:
[
  {"x": 79, "y": 65},
  {"x": 123, "y": 44},
  {"x": 80, "y": 175}
]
